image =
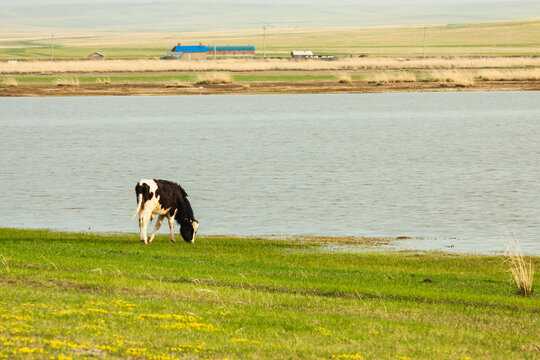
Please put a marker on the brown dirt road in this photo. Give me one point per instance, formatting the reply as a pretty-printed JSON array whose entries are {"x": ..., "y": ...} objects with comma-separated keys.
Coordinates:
[{"x": 308, "y": 87}]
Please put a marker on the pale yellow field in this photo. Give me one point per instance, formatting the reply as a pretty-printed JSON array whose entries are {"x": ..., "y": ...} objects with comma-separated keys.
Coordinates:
[
  {"x": 356, "y": 63},
  {"x": 508, "y": 38}
]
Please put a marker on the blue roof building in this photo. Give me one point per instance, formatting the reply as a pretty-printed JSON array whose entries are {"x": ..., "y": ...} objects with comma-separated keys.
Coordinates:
[
  {"x": 190, "y": 48},
  {"x": 189, "y": 52}
]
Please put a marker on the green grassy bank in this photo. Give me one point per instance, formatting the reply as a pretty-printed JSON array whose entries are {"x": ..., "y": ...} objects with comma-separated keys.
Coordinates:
[
  {"x": 67, "y": 295},
  {"x": 150, "y": 78}
]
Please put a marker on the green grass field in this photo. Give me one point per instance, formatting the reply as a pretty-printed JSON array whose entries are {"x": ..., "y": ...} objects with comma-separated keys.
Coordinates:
[
  {"x": 70, "y": 295},
  {"x": 509, "y": 38},
  {"x": 150, "y": 78}
]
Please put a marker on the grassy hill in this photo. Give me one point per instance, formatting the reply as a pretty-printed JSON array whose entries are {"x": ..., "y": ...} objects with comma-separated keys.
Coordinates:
[
  {"x": 67, "y": 295},
  {"x": 511, "y": 38},
  {"x": 204, "y": 15}
]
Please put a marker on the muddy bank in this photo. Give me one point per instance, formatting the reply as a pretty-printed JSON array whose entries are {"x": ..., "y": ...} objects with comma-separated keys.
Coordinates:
[{"x": 308, "y": 87}]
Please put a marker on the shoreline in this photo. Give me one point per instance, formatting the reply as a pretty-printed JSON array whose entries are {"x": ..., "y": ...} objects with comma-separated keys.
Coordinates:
[
  {"x": 257, "y": 88},
  {"x": 327, "y": 243}
]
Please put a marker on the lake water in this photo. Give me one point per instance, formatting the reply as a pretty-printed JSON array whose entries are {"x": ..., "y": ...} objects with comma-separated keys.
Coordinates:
[{"x": 451, "y": 170}]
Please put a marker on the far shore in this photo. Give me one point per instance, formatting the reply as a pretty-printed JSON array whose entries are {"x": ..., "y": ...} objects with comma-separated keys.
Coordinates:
[
  {"x": 265, "y": 87},
  {"x": 259, "y": 76}
]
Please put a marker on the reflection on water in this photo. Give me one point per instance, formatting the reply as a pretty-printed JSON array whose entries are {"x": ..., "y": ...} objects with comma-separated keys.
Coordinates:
[{"x": 455, "y": 167}]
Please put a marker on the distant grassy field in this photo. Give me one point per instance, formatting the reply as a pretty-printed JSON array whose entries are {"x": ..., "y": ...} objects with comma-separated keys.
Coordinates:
[
  {"x": 67, "y": 295},
  {"x": 510, "y": 38}
]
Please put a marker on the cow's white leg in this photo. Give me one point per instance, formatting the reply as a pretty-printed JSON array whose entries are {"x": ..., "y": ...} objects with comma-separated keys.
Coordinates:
[
  {"x": 156, "y": 227},
  {"x": 145, "y": 219},
  {"x": 171, "y": 226},
  {"x": 141, "y": 225}
]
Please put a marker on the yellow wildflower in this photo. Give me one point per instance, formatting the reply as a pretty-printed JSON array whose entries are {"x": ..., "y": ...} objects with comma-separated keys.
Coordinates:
[
  {"x": 246, "y": 341},
  {"x": 63, "y": 357},
  {"x": 322, "y": 331},
  {"x": 95, "y": 303},
  {"x": 161, "y": 357},
  {"x": 68, "y": 312},
  {"x": 123, "y": 303},
  {"x": 27, "y": 350},
  {"x": 195, "y": 325},
  {"x": 136, "y": 351},
  {"x": 90, "y": 327},
  {"x": 107, "y": 348},
  {"x": 347, "y": 356},
  {"x": 123, "y": 313},
  {"x": 103, "y": 311},
  {"x": 15, "y": 317}
]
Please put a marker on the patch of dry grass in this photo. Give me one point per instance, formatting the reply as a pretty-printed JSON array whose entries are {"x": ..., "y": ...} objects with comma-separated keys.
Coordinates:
[
  {"x": 457, "y": 77},
  {"x": 394, "y": 77},
  {"x": 177, "y": 84},
  {"x": 522, "y": 272},
  {"x": 10, "y": 82},
  {"x": 214, "y": 78},
  {"x": 104, "y": 81},
  {"x": 356, "y": 63},
  {"x": 509, "y": 74},
  {"x": 344, "y": 79},
  {"x": 66, "y": 81}
]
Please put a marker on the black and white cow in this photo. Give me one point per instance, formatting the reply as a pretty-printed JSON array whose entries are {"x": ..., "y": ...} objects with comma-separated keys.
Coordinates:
[{"x": 165, "y": 199}]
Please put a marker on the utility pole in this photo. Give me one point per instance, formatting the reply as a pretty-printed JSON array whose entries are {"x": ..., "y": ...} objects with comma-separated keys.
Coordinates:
[
  {"x": 424, "y": 41},
  {"x": 52, "y": 47},
  {"x": 264, "y": 40}
]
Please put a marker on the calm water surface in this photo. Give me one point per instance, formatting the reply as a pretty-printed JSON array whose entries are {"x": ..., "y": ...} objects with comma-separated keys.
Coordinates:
[{"x": 449, "y": 169}]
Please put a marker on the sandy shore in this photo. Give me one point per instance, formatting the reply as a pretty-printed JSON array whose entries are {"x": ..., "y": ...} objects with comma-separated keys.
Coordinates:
[{"x": 308, "y": 87}]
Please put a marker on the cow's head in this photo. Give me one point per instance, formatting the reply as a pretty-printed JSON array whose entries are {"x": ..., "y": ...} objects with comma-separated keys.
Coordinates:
[{"x": 188, "y": 229}]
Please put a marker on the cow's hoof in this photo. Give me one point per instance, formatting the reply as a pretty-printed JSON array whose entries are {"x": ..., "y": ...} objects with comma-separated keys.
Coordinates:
[
  {"x": 144, "y": 242},
  {"x": 173, "y": 240}
]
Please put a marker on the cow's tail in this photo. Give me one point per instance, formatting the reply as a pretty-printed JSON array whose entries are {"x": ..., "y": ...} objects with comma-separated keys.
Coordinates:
[{"x": 139, "y": 204}]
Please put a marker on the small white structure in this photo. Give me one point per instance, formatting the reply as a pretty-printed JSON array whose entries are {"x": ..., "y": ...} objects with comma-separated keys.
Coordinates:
[
  {"x": 96, "y": 56},
  {"x": 297, "y": 54}
]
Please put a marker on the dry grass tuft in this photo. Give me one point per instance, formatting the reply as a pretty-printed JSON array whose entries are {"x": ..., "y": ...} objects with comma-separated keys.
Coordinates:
[
  {"x": 344, "y": 79},
  {"x": 457, "y": 77},
  {"x": 105, "y": 81},
  {"x": 509, "y": 74},
  {"x": 177, "y": 84},
  {"x": 522, "y": 272},
  {"x": 214, "y": 78},
  {"x": 340, "y": 64},
  {"x": 10, "y": 82},
  {"x": 393, "y": 77},
  {"x": 66, "y": 82}
]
